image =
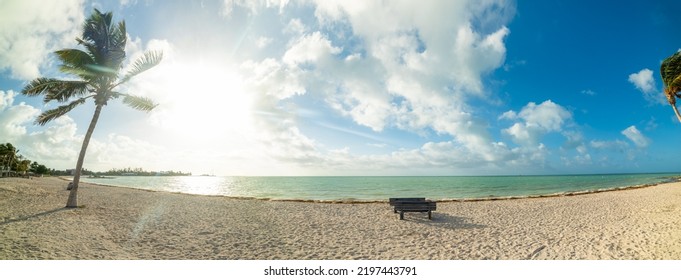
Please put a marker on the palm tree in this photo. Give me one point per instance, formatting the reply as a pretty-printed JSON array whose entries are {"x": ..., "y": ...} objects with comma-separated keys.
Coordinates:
[
  {"x": 97, "y": 67},
  {"x": 8, "y": 153},
  {"x": 671, "y": 77}
]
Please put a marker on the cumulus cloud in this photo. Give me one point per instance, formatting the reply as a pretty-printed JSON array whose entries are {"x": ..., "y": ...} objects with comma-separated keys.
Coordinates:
[
  {"x": 616, "y": 145},
  {"x": 273, "y": 78},
  {"x": 643, "y": 81},
  {"x": 633, "y": 134},
  {"x": 310, "y": 49},
  {"x": 31, "y": 29},
  {"x": 252, "y": 5},
  {"x": 14, "y": 118},
  {"x": 535, "y": 121},
  {"x": 263, "y": 42}
]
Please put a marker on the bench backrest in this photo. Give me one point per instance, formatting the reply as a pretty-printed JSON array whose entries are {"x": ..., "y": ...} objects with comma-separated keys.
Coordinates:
[
  {"x": 406, "y": 199},
  {"x": 415, "y": 205}
]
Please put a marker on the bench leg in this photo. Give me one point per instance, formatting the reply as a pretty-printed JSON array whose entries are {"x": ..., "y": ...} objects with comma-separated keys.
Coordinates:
[
  {"x": 430, "y": 217},
  {"x": 401, "y": 215}
]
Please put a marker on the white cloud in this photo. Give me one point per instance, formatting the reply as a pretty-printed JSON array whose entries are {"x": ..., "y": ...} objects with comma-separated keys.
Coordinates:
[
  {"x": 575, "y": 140},
  {"x": 633, "y": 134},
  {"x": 252, "y": 5},
  {"x": 6, "y": 99},
  {"x": 263, "y": 42},
  {"x": 588, "y": 92},
  {"x": 616, "y": 145},
  {"x": 118, "y": 151},
  {"x": 14, "y": 118},
  {"x": 272, "y": 78},
  {"x": 31, "y": 29},
  {"x": 128, "y": 2},
  {"x": 643, "y": 80},
  {"x": 310, "y": 49},
  {"x": 56, "y": 145},
  {"x": 537, "y": 120},
  {"x": 296, "y": 27}
]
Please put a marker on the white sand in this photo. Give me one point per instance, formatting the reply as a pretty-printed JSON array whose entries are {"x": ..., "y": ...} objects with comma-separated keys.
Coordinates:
[{"x": 120, "y": 223}]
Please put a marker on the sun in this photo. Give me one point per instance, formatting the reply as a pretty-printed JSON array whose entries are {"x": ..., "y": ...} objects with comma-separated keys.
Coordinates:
[{"x": 204, "y": 99}]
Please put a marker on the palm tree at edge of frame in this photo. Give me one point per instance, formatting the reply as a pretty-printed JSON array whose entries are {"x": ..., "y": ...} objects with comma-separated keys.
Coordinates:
[{"x": 670, "y": 70}]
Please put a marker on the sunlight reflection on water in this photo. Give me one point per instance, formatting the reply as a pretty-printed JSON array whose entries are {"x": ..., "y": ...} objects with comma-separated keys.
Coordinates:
[{"x": 204, "y": 185}]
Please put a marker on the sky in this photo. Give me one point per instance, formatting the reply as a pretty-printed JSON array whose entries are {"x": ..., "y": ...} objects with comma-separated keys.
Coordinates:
[{"x": 319, "y": 87}]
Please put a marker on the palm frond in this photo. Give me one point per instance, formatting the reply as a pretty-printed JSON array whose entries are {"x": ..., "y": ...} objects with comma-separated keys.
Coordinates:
[
  {"x": 38, "y": 86},
  {"x": 143, "y": 63},
  {"x": 96, "y": 28},
  {"x": 139, "y": 102},
  {"x": 83, "y": 72},
  {"x": 101, "y": 64},
  {"x": 74, "y": 57},
  {"x": 52, "y": 114},
  {"x": 106, "y": 42},
  {"x": 676, "y": 82},
  {"x": 75, "y": 62},
  {"x": 55, "y": 89},
  {"x": 91, "y": 49},
  {"x": 66, "y": 90},
  {"x": 118, "y": 36},
  {"x": 670, "y": 70}
]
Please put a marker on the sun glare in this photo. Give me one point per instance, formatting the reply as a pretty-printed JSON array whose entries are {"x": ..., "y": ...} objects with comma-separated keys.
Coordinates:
[{"x": 204, "y": 100}]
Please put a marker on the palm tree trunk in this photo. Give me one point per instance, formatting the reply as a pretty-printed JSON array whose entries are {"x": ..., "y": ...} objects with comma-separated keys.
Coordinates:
[
  {"x": 678, "y": 116},
  {"x": 73, "y": 195}
]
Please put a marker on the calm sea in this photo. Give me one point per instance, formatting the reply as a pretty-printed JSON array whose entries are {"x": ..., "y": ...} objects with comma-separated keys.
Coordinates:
[{"x": 381, "y": 188}]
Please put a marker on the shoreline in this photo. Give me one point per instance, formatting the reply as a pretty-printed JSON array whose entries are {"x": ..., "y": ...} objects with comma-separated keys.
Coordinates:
[
  {"x": 359, "y": 201},
  {"x": 117, "y": 223}
]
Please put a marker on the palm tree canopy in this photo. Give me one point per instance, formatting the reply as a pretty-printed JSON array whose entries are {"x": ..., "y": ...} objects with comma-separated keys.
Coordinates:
[
  {"x": 97, "y": 67},
  {"x": 670, "y": 70}
]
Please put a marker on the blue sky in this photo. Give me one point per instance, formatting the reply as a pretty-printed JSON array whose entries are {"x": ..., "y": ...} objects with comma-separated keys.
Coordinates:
[{"x": 309, "y": 87}]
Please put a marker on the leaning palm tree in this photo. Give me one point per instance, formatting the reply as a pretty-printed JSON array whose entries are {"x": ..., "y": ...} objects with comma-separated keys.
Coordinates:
[
  {"x": 671, "y": 77},
  {"x": 98, "y": 69}
]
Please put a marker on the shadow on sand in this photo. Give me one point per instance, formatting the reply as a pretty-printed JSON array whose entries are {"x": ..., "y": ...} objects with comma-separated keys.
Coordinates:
[
  {"x": 24, "y": 218},
  {"x": 441, "y": 220}
]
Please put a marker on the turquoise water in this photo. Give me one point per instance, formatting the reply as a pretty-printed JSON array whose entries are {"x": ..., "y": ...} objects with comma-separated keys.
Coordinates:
[{"x": 381, "y": 188}]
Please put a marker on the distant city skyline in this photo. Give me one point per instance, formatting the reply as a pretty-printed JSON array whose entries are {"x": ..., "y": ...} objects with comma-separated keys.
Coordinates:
[{"x": 360, "y": 87}]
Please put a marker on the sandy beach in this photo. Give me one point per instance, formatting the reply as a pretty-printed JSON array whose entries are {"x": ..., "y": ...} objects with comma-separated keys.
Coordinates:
[{"x": 121, "y": 223}]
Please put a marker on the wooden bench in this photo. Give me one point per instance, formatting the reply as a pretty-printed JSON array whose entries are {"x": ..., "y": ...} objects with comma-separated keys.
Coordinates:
[{"x": 413, "y": 205}]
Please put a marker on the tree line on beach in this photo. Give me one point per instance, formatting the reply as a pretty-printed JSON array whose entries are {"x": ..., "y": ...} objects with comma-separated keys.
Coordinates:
[
  {"x": 13, "y": 164},
  {"x": 140, "y": 172}
]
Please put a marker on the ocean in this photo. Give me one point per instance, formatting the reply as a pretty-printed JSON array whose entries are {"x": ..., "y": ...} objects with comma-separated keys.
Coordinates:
[{"x": 382, "y": 188}]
